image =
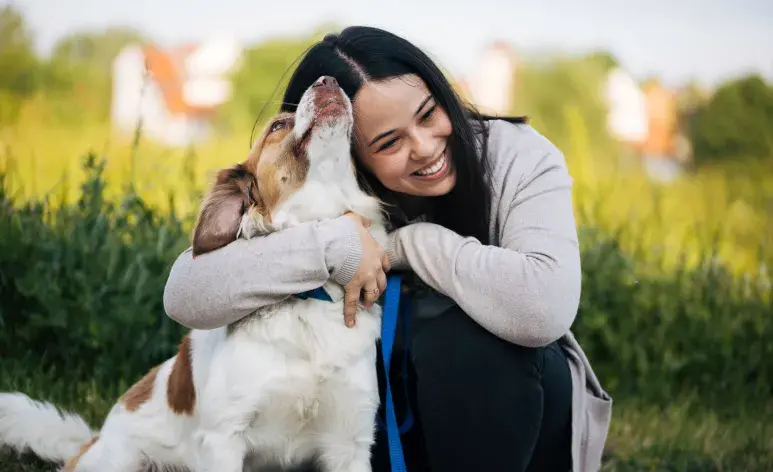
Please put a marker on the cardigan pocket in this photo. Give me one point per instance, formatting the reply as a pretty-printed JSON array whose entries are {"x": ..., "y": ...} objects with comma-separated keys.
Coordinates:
[{"x": 598, "y": 414}]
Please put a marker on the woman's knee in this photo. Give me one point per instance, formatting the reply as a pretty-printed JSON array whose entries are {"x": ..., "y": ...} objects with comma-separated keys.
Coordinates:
[
  {"x": 453, "y": 347},
  {"x": 480, "y": 398}
]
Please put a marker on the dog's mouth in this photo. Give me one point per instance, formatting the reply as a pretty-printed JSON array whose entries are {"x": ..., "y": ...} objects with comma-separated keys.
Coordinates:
[
  {"x": 330, "y": 109},
  {"x": 330, "y": 106}
]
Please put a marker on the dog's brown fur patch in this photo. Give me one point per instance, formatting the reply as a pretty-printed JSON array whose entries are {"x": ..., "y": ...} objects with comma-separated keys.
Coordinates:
[
  {"x": 72, "y": 463},
  {"x": 276, "y": 167},
  {"x": 180, "y": 393},
  {"x": 280, "y": 165},
  {"x": 141, "y": 391}
]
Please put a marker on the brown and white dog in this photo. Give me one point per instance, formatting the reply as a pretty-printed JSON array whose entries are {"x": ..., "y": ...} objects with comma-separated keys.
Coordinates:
[{"x": 288, "y": 383}]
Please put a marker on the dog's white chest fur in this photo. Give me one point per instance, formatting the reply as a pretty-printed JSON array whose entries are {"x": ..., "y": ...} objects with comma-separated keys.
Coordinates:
[{"x": 294, "y": 376}]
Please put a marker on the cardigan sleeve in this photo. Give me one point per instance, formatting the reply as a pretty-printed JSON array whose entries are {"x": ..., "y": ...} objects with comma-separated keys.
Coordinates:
[{"x": 225, "y": 285}]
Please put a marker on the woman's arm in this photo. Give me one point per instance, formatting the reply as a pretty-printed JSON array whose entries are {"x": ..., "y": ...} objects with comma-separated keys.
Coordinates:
[
  {"x": 223, "y": 286},
  {"x": 527, "y": 290}
]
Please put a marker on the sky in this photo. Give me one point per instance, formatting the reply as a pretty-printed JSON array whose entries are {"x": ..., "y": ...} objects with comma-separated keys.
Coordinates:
[{"x": 676, "y": 40}]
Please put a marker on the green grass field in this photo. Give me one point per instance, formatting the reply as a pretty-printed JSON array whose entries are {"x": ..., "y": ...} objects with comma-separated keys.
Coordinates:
[{"x": 678, "y": 438}]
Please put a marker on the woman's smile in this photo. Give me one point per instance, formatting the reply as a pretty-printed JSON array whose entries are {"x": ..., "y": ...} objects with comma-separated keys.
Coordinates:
[{"x": 435, "y": 170}]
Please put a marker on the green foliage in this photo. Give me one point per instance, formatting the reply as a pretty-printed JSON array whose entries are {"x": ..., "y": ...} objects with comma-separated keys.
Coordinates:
[
  {"x": 75, "y": 80},
  {"x": 605, "y": 60},
  {"x": 79, "y": 71},
  {"x": 657, "y": 336},
  {"x": 96, "y": 49},
  {"x": 736, "y": 123},
  {"x": 82, "y": 285},
  {"x": 18, "y": 62},
  {"x": 19, "y": 66},
  {"x": 259, "y": 82},
  {"x": 552, "y": 93}
]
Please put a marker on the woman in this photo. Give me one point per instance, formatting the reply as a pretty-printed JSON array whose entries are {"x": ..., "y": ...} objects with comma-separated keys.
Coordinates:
[{"x": 482, "y": 216}]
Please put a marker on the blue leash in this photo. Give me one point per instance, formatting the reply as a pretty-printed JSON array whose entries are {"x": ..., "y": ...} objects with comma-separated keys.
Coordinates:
[
  {"x": 393, "y": 307},
  {"x": 388, "y": 331}
]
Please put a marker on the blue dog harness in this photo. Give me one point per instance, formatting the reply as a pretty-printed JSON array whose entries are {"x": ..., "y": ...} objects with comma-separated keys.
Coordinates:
[{"x": 393, "y": 308}]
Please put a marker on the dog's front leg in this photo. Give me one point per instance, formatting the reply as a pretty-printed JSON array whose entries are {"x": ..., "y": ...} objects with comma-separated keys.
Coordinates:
[{"x": 346, "y": 423}]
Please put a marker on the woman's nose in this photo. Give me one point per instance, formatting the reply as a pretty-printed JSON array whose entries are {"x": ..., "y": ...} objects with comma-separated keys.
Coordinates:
[{"x": 423, "y": 147}]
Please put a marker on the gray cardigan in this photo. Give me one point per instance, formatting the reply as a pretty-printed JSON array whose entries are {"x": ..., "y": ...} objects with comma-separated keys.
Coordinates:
[{"x": 524, "y": 288}]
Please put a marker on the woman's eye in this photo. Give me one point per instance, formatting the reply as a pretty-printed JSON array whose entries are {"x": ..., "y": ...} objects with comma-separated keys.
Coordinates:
[
  {"x": 387, "y": 144},
  {"x": 429, "y": 113}
]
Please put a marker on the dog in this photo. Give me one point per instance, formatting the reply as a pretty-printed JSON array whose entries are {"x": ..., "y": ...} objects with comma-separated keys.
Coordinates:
[{"x": 289, "y": 383}]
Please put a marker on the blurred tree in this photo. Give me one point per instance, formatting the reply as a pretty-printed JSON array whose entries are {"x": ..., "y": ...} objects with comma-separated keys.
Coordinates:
[
  {"x": 556, "y": 93},
  {"x": 80, "y": 67},
  {"x": 96, "y": 49},
  {"x": 735, "y": 123},
  {"x": 19, "y": 67},
  {"x": 18, "y": 63},
  {"x": 606, "y": 60},
  {"x": 258, "y": 85}
]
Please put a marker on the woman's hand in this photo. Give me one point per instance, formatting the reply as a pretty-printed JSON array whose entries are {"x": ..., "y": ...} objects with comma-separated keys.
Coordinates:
[{"x": 370, "y": 278}]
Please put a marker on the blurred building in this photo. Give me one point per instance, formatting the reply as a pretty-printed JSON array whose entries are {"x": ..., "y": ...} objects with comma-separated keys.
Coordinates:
[
  {"x": 627, "y": 118},
  {"x": 662, "y": 112},
  {"x": 172, "y": 93},
  {"x": 662, "y": 150},
  {"x": 491, "y": 86}
]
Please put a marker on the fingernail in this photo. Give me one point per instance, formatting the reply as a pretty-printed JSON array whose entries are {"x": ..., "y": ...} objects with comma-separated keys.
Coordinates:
[{"x": 350, "y": 323}]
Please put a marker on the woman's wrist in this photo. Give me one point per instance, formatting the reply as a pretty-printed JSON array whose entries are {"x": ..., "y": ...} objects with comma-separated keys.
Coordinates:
[
  {"x": 394, "y": 251},
  {"x": 343, "y": 248}
]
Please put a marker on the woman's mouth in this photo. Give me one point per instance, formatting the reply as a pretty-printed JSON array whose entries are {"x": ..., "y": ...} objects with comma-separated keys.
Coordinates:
[{"x": 435, "y": 168}]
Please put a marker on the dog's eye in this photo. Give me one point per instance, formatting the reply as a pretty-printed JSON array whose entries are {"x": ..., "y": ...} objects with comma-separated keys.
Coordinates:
[{"x": 277, "y": 125}]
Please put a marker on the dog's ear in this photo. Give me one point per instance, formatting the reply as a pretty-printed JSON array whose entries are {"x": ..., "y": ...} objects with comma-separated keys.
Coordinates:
[{"x": 221, "y": 212}]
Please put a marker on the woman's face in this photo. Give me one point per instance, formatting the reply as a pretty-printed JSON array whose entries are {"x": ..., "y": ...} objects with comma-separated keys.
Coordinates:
[{"x": 401, "y": 136}]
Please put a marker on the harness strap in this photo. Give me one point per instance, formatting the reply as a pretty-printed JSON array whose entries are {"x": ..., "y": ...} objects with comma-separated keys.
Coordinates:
[{"x": 318, "y": 293}]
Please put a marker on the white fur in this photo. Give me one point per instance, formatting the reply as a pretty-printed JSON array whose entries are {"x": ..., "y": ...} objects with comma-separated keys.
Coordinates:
[
  {"x": 286, "y": 384},
  {"x": 40, "y": 427}
]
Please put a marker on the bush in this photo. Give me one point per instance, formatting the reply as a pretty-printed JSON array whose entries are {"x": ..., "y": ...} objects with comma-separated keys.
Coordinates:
[
  {"x": 699, "y": 331},
  {"x": 82, "y": 287},
  {"x": 736, "y": 123}
]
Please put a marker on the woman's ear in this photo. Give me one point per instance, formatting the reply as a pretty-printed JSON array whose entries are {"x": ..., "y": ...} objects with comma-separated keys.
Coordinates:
[{"x": 221, "y": 213}]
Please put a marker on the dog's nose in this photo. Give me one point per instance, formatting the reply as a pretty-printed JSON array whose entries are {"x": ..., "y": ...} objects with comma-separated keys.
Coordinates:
[{"x": 326, "y": 81}]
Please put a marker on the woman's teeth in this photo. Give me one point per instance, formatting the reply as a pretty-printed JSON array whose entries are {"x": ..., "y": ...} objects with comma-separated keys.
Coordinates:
[{"x": 432, "y": 168}]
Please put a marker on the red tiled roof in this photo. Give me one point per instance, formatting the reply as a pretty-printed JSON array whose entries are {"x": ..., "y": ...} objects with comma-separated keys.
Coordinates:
[{"x": 166, "y": 69}]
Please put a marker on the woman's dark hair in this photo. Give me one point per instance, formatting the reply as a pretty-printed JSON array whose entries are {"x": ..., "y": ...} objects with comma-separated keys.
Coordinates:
[{"x": 360, "y": 54}]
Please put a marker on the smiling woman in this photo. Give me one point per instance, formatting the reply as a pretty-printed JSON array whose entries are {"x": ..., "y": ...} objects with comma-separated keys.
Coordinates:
[
  {"x": 402, "y": 137},
  {"x": 482, "y": 221}
]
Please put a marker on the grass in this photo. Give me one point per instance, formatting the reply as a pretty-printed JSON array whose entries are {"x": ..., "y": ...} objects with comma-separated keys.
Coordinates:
[
  {"x": 686, "y": 437},
  {"x": 681, "y": 437},
  {"x": 42, "y": 158}
]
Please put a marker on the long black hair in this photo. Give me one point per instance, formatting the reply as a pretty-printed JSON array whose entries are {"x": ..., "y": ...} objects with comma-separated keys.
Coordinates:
[{"x": 359, "y": 54}]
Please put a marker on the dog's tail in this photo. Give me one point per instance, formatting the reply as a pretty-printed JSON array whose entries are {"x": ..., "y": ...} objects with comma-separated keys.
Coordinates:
[{"x": 53, "y": 435}]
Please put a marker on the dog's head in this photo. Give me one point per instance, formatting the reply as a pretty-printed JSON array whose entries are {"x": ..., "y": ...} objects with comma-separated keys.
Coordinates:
[{"x": 300, "y": 169}]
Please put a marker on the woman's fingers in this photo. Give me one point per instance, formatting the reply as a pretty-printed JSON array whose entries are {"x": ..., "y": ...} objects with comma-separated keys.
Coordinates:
[
  {"x": 370, "y": 293},
  {"x": 351, "y": 301},
  {"x": 381, "y": 282}
]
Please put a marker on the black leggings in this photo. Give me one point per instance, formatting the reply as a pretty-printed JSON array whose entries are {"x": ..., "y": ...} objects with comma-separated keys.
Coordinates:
[{"x": 480, "y": 403}]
